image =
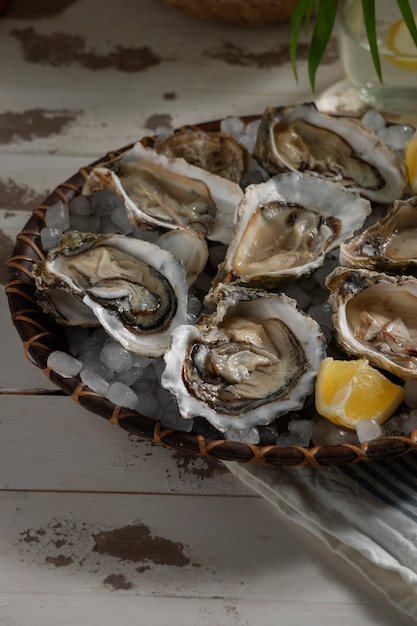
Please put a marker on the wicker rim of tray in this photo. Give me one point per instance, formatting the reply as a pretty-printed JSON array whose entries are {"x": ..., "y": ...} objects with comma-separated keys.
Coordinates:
[{"x": 39, "y": 338}]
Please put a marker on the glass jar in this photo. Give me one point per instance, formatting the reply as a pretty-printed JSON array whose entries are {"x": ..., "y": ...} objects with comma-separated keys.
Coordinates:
[{"x": 398, "y": 55}]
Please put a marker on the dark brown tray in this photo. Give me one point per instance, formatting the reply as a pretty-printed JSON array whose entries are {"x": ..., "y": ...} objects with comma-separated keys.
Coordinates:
[{"x": 40, "y": 337}]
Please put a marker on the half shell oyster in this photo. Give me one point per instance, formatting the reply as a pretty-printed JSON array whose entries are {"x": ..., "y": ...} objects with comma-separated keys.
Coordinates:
[
  {"x": 136, "y": 290},
  {"x": 375, "y": 317},
  {"x": 301, "y": 138},
  {"x": 287, "y": 225},
  {"x": 255, "y": 358},
  {"x": 164, "y": 193},
  {"x": 215, "y": 151},
  {"x": 390, "y": 245}
]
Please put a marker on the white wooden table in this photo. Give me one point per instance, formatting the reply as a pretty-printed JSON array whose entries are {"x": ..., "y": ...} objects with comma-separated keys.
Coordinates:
[{"x": 96, "y": 526}]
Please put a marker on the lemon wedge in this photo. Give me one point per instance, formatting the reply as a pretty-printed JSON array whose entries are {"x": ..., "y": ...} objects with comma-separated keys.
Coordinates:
[
  {"x": 348, "y": 392},
  {"x": 401, "y": 45},
  {"x": 411, "y": 162}
]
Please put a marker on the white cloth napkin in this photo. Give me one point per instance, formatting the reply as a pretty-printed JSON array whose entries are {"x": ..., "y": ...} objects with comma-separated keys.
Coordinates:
[{"x": 366, "y": 513}]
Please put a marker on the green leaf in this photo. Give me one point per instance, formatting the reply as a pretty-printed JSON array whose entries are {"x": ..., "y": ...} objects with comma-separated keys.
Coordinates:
[
  {"x": 368, "y": 8},
  {"x": 408, "y": 16},
  {"x": 301, "y": 13},
  {"x": 325, "y": 18}
]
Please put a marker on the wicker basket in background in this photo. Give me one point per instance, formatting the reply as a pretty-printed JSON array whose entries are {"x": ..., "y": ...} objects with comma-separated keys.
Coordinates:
[{"x": 244, "y": 12}]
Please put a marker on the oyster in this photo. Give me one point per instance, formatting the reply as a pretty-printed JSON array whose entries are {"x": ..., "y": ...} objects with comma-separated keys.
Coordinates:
[
  {"x": 164, "y": 193},
  {"x": 215, "y": 151},
  {"x": 301, "y": 138},
  {"x": 287, "y": 225},
  {"x": 255, "y": 358},
  {"x": 389, "y": 245},
  {"x": 136, "y": 290},
  {"x": 375, "y": 317}
]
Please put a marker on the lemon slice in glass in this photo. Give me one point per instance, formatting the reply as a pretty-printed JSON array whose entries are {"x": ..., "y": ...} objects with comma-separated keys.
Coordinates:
[
  {"x": 401, "y": 45},
  {"x": 348, "y": 392}
]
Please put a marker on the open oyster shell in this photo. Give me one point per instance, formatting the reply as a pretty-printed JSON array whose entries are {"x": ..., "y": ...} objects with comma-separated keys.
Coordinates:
[
  {"x": 301, "y": 138},
  {"x": 136, "y": 290},
  {"x": 287, "y": 225},
  {"x": 375, "y": 317},
  {"x": 255, "y": 358},
  {"x": 165, "y": 193},
  {"x": 390, "y": 245},
  {"x": 215, "y": 151}
]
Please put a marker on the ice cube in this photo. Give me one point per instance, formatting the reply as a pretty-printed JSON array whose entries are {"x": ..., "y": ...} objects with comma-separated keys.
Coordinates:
[
  {"x": 104, "y": 201},
  {"x": 64, "y": 364},
  {"x": 139, "y": 360},
  {"x": 57, "y": 216},
  {"x": 122, "y": 395},
  {"x": 373, "y": 120},
  {"x": 396, "y": 135},
  {"x": 80, "y": 222},
  {"x": 409, "y": 423},
  {"x": 50, "y": 237},
  {"x": 80, "y": 205},
  {"x": 148, "y": 405},
  {"x": 115, "y": 357},
  {"x": 244, "y": 435},
  {"x": 93, "y": 380},
  {"x": 234, "y": 126},
  {"x": 130, "y": 376},
  {"x": 367, "y": 430},
  {"x": 119, "y": 217},
  {"x": 325, "y": 433}
]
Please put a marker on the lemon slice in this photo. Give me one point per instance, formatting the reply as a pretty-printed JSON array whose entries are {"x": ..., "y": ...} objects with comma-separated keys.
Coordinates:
[
  {"x": 401, "y": 44},
  {"x": 348, "y": 392},
  {"x": 411, "y": 162}
]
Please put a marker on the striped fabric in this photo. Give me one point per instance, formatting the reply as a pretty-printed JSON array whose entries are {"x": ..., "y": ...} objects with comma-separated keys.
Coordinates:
[
  {"x": 393, "y": 482},
  {"x": 366, "y": 513}
]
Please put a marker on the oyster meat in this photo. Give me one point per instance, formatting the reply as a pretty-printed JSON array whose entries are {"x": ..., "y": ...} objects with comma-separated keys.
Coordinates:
[
  {"x": 252, "y": 360},
  {"x": 301, "y": 138},
  {"x": 375, "y": 317},
  {"x": 136, "y": 290},
  {"x": 165, "y": 193},
  {"x": 389, "y": 245},
  {"x": 287, "y": 225}
]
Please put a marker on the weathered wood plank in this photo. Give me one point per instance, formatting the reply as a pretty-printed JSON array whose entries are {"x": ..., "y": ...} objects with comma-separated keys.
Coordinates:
[
  {"x": 54, "y": 444},
  {"x": 218, "y": 558},
  {"x": 99, "y": 609}
]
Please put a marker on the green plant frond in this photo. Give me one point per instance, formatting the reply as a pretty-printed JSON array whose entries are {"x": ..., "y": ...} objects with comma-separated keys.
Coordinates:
[
  {"x": 408, "y": 17},
  {"x": 368, "y": 8},
  {"x": 301, "y": 13},
  {"x": 325, "y": 18}
]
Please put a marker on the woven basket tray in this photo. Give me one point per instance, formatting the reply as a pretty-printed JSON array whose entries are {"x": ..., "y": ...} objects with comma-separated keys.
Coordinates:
[{"x": 41, "y": 336}]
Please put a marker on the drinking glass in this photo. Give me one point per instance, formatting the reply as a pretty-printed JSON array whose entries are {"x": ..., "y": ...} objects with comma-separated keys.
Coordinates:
[{"x": 398, "y": 55}]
